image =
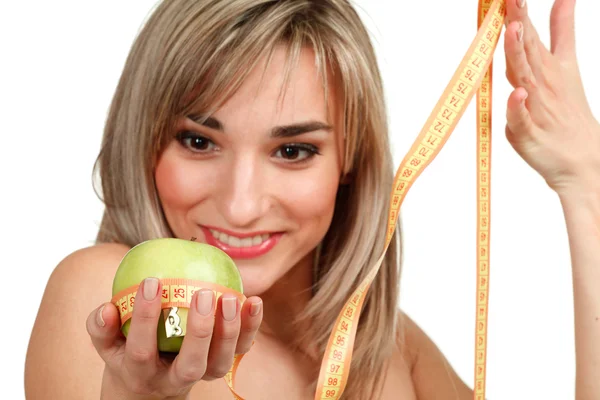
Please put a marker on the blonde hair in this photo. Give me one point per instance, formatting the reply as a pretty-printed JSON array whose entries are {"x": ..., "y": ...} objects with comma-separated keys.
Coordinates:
[{"x": 192, "y": 55}]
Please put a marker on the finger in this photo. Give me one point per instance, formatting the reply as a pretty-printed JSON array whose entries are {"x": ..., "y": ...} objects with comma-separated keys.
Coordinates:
[
  {"x": 516, "y": 10},
  {"x": 518, "y": 119},
  {"x": 518, "y": 69},
  {"x": 190, "y": 364},
  {"x": 103, "y": 325},
  {"x": 251, "y": 316},
  {"x": 225, "y": 336},
  {"x": 562, "y": 28},
  {"x": 141, "y": 349}
]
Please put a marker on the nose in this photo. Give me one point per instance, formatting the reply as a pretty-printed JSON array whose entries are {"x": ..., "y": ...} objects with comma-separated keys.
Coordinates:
[{"x": 244, "y": 197}]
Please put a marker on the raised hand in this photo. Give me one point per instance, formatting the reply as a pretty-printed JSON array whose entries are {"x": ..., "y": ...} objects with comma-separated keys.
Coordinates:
[{"x": 549, "y": 121}]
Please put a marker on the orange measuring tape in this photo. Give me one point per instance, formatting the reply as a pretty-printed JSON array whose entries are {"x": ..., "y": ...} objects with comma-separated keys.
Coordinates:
[{"x": 474, "y": 75}]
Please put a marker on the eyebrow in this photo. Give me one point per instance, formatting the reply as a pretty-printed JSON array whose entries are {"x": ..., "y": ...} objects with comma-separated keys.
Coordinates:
[{"x": 283, "y": 131}]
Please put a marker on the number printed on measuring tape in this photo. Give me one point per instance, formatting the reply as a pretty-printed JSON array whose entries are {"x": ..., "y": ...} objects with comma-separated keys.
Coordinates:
[{"x": 176, "y": 292}]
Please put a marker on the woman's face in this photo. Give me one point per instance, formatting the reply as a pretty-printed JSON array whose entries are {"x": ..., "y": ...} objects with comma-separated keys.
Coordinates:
[{"x": 259, "y": 179}]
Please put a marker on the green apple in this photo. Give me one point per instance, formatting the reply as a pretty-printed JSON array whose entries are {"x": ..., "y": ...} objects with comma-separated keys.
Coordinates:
[{"x": 175, "y": 258}]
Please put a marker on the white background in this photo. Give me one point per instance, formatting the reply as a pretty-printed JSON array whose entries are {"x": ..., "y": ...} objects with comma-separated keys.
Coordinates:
[{"x": 60, "y": 62}]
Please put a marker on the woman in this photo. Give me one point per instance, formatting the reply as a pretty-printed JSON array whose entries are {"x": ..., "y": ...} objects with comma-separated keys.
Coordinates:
[{"x": 261, "y": 125}]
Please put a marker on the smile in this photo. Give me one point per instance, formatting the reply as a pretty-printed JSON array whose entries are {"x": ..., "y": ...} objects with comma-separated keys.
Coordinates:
[{"x": 241, "y": 246}]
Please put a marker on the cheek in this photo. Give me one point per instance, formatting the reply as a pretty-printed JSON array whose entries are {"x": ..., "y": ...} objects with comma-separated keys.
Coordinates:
[
  {"x": 177, "y": 183},
  {"x": 313, "y": 198}
]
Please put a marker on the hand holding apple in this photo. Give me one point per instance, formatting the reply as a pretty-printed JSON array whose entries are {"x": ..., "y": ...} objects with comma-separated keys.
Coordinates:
[
  {"x": 183, "y": 266},
  {"x": 133, "y": 365}
]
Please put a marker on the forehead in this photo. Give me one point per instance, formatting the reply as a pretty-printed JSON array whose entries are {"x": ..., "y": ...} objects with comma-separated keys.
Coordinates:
[{"x": 275, "y": 92}]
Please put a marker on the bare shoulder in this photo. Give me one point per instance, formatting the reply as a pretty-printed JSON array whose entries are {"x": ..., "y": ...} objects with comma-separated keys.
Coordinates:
[
  {"x": 432, "y": 375},
  {"x": 60, "y": 349},
  {"x": 94, "y": 262},
  {"x": 82, "y": 279}
]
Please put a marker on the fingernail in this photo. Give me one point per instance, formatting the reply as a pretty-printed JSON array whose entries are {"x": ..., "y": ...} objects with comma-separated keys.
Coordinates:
[
  {"x": 520, "y": 32},
  {"x": 255, "y": 308},
  {"x": 229, "y": 308},
  {"x": 99, "y": 318},
  {"x": 150, "y": 288},
  {"x": 521, "y": 3},
  {"x": 204, "y": 301}
]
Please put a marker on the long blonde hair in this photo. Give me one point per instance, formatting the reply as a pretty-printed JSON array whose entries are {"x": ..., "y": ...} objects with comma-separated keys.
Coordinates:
[{"x": 192, "y": 55}]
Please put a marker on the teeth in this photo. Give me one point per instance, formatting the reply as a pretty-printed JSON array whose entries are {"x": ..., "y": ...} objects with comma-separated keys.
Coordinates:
[{"x": 237, "y": 242}]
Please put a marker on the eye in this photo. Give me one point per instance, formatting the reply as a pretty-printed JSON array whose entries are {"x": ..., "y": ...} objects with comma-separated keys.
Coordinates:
[
  {"x": 296, "y": 152},
  {"x": 195, "y": 142}
]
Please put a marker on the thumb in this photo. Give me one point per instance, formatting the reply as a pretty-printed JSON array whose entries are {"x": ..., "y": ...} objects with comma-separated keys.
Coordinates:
[
  {"x": 562, "y": 28},
  {"x": 518, "y": 120},
  {"x": 103, "y": 325}
]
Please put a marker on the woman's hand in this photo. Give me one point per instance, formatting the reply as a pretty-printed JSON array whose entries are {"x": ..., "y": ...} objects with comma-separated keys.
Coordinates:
[
  {"x": 215, "y": 333},
  {"x": 549, "y": 121}
]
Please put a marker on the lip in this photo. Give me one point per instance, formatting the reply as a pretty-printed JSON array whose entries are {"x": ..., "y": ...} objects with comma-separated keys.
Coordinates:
[{"x": 242, "y": 252}]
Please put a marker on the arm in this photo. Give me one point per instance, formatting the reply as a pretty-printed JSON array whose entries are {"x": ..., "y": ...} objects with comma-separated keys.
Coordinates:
[
  {"x": 582, "y": 217},
  {"x": 551, "y": 126}
]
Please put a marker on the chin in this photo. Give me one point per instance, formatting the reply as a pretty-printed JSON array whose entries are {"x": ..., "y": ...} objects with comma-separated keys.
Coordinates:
[
  {"x": 287, "y": 275},
  {"x": 256, "y": 283}
]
